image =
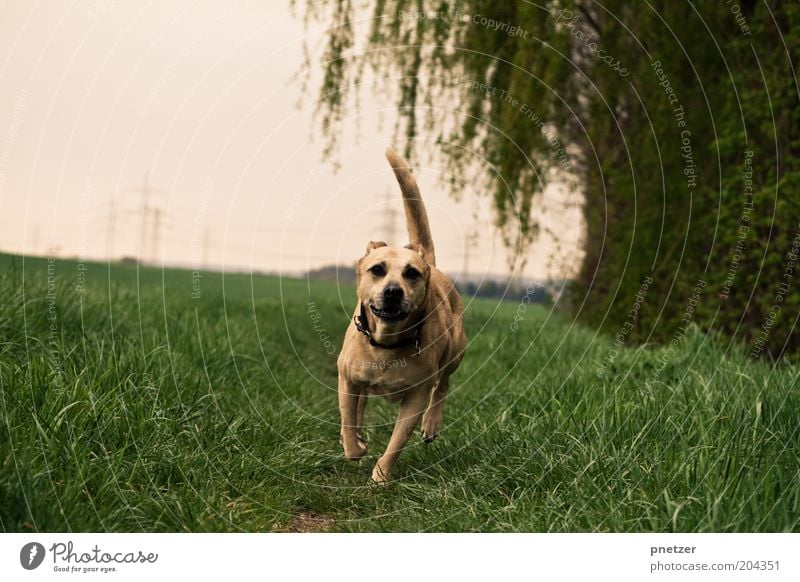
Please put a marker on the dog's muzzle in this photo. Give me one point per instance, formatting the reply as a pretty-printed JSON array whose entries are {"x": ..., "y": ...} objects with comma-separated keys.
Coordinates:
[
  {"x": 389, "y": 312},
  {"x": 392, "y": 307}
]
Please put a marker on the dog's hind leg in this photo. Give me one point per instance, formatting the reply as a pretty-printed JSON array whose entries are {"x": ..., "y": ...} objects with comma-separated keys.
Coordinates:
[
  {"x": 349, "y": 397},
  {"x": 411, "y": 410},
  {"x": 434, "y": 415}
]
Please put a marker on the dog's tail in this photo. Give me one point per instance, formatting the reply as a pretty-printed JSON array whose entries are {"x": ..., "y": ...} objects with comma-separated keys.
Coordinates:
[{"x": 419, "y": 230}]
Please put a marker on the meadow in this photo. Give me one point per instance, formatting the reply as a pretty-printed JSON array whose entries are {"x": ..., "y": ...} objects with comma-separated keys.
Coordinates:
[{"x": 142, "y": 399}]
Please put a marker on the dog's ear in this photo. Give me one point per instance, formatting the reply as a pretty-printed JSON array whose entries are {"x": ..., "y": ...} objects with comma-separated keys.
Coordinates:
[
  {"x": 419, "y": 249},
  {"x": 375, "y": 244}
]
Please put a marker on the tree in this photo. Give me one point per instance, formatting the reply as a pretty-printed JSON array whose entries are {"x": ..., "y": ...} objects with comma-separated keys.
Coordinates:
[{"x": 678, "y": 121}]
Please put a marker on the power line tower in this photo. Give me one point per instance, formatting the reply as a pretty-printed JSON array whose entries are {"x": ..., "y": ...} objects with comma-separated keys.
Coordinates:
[
  {"x": 151, "y": 220},
  {"x": 390, "y": 222}
]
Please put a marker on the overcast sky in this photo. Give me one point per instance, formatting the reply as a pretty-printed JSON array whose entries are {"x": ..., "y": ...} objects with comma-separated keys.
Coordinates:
[{"x": 199, "y": 95}]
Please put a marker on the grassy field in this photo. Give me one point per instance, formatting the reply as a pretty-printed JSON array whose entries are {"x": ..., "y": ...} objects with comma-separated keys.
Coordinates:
[{"x": 126, "y": 404}]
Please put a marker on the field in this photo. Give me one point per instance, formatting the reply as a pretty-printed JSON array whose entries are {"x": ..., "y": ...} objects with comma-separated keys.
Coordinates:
[{"x": 127, "y": 404}]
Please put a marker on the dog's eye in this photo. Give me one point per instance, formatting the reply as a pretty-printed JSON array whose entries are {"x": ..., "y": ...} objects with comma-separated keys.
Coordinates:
[
  {"x": 378, "y": 270},
  {"x": 411, "y": 274}
]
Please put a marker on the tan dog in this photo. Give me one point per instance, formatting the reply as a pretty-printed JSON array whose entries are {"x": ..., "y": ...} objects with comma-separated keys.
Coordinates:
[{"x": 406, "y": 337}]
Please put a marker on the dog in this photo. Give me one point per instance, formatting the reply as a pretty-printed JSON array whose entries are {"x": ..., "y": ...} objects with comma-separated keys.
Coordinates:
[{"x": 406, "y": 337}]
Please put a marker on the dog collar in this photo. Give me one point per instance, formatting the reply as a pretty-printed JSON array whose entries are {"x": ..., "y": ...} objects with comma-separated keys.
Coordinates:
[{"x": 362, "y": 324}]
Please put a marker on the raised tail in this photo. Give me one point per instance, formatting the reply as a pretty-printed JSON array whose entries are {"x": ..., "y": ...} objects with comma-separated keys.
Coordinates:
[{"x": 419, "y": 230}]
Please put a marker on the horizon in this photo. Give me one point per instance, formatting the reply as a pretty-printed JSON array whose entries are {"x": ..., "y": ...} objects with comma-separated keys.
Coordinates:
[
  {"x": 176, "y": 136},
  {"x": 458, "y": 277}
]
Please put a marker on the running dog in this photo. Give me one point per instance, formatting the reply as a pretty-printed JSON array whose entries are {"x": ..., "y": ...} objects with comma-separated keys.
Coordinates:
[{"x": 406, "y": 337}]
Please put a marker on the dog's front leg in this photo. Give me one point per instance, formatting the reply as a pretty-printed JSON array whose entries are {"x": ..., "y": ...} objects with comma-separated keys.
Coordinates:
[
  {"x": 362, "y": 404},
  {"x": 349, "y": 397},
  {"x": 411, "y": 410}
]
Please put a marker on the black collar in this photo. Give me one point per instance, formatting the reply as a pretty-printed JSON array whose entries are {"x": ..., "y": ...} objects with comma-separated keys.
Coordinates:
[{"x": 362, "y": 324}]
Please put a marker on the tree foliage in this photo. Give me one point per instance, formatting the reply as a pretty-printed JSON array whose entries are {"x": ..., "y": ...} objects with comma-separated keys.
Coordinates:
[{"x": 679, "y": 122}]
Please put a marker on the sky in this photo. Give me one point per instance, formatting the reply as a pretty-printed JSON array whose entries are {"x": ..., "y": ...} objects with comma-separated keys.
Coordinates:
[{"x": 202, "y": 101}]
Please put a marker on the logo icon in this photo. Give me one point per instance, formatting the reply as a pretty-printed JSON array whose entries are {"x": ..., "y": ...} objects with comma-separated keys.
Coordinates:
[{"x": 31, "y": 555}]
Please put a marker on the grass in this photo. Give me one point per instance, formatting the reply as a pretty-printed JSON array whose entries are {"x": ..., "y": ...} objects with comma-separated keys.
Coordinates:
[{"x": 140, "y": 408}]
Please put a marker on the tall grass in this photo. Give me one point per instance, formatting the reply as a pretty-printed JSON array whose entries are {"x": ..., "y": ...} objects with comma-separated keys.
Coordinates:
[{"x": 138, "y": 407}]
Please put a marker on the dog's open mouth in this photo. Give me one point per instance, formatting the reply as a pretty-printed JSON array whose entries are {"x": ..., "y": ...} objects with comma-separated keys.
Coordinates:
[{"x": 389, "y": 313}]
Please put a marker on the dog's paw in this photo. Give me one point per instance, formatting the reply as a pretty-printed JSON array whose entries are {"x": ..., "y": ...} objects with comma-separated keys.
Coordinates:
[
  {"x": 431, "y": 427},
  {"x": 358, "y": 453},
  {"x": 361, "y": 440},
  {"x": 379, "y": 476}
]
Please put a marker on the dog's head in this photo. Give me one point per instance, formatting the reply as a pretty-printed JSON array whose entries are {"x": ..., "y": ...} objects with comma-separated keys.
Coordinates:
[{"x": 392, "y": 283}]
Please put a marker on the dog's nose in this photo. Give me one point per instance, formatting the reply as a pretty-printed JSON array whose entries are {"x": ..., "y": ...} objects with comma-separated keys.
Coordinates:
[{"x": 393, "y": 292}]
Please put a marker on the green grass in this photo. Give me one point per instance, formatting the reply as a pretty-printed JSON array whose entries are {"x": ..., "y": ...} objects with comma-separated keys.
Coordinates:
[{"x": 144, "y": 409}]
